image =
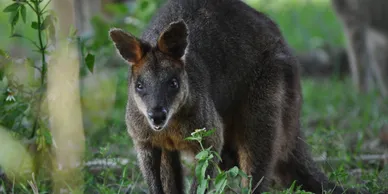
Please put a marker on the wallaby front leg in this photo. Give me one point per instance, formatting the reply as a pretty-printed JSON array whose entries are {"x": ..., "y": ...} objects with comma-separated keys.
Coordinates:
[
  {"x": 149, "y": 160},
  {"x": 171, "y": 172}
]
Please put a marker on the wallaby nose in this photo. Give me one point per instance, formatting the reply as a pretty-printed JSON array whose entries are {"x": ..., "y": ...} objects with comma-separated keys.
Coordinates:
[{"x": 158, "y": 115}]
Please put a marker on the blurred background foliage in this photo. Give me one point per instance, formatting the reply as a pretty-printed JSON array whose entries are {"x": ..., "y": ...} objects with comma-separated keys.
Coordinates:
[{"x": 336, "y": 121}]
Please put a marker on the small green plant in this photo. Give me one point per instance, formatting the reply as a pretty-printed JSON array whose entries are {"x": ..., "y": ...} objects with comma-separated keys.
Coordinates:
[
  {"x": 44, "y": 25},
  {"x": 22, "y": 104},
  {"x": 45, "y": 28},
  {"x": 204, "y": 159}
]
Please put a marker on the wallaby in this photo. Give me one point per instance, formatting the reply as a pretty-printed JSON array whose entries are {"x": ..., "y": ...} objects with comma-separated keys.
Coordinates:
[
  {"x": 366, "y": 31},
  {"x": 216, "y": 64}
]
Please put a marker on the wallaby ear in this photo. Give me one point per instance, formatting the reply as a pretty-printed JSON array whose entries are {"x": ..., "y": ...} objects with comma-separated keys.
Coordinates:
[
  {"x": 129, "y": 47},
  {"x": 173, "y": 40}
]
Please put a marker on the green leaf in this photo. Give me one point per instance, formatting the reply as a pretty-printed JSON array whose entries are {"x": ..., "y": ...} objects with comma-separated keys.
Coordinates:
[
  {"x": 200, "y": 169},
  {"x": 5, "y": 81},
  {"x": 28, "y": 109},
  {"x": 209, "y": 148},
  {"x": 14, "y": 18},
  {"x": 191, "y": 138},
  {"x": 2, "y": 88},
  {"x": 233, "y": 172},
  {"x": 23, "y": 12},
  {"x": 89, "y": 60},
  {"x": 202, "y": 155},
  {"x": 220, "y": 182},
  {"x": 242, "y": 174},
  {"x": 203, "y": 169},
  {"x": 117, "y": 8},
  {"x": 34, "y": 25},
  {"x": 51, "y": 32},
  {"x": 12, "y": 8},
  {"x": 2, "y": 53},
  {"x": 208, "y": 133},
  {"x": 202, "y": 186},
  {"x": 245, "y": 190},
  {"x": 47, "y": 22},
  {"x": 16, "y": 35},
  {"x": 73, "y": 31},
  {"x": 217, "y": 155},
  {"x": 211, "y": 156},
  {"x": 144, "y": 5},
  {"x": 47, "y": 137}
]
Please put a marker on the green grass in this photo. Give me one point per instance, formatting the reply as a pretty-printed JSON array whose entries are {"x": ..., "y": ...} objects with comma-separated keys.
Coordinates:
[
  {"x": 336, "y": 121},
  {"x": 339, "y": 123},
  {"x": 306, "y": 24}
]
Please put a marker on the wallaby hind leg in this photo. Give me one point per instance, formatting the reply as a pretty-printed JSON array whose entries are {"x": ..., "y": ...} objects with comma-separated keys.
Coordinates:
[
  {"x": 255, "y": 150},
  {"x": 257, "y": 167},
  {"x": 300, "y": 167}
]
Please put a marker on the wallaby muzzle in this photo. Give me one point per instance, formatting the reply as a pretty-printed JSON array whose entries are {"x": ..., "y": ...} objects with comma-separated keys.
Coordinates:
[{"x": 157, "y": 117}]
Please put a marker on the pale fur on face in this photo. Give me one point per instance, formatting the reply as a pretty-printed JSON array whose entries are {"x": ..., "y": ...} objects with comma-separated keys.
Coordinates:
[{"x": 178, "y": 102}]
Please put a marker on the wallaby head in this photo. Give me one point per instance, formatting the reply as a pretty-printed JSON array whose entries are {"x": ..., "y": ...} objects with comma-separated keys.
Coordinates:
[{"x": 159, "y": 83}]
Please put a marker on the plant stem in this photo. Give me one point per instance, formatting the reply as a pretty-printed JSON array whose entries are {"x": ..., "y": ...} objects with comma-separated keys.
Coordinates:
[
  {"x": 200, "y": 143},
  {"x": 29, "y": 4},
  {"x": 44, "y": 7},
  {"x": 43, "y": 70}
]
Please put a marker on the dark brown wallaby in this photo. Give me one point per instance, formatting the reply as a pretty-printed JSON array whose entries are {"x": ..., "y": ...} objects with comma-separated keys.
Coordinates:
[{"x": 216, "y": 64}]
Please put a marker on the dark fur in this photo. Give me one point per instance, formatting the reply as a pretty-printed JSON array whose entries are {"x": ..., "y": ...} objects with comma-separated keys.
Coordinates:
[{"x": 241, "y": 78}]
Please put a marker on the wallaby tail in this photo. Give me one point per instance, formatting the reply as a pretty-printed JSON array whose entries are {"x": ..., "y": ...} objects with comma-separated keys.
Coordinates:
[{"x": 309, "y": 176}]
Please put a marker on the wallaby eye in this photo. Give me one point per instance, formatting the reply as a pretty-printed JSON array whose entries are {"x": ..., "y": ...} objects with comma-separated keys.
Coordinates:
[
  {"x": 139, "y": 86},
  {"x": 174, "y": 83}
]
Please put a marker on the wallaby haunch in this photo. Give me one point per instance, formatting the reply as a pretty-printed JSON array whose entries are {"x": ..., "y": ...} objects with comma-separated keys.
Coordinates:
[{"x": 216, "y": 64}]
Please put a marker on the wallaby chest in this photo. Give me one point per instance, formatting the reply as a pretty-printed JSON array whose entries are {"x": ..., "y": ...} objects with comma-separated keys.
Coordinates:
[{"x": 172, "y": 138}]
